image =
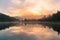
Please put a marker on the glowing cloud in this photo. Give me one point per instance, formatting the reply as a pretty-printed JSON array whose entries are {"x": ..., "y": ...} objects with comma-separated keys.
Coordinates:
[{"x": 33, "y": 8}]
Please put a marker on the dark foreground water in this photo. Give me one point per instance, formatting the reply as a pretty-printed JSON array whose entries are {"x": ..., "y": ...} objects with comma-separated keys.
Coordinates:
[{"x": 29, "y": 31}]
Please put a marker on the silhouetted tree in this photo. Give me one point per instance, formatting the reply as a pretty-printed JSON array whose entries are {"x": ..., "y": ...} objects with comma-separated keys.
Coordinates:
[{"x": 55, "y": 17}]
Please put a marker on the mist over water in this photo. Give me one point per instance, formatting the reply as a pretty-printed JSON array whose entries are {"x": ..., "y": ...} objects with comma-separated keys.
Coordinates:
[
  {"x": 36, "y": 20},
  {"x": 29, "y": 31}
]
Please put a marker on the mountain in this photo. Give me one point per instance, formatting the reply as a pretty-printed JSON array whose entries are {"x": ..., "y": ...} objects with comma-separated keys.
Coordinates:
[
  {"x": 6, "y": 18},
  {"x": 55, "y": 17}
]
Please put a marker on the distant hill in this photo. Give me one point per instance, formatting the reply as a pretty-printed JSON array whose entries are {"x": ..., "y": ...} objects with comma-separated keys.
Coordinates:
[
  {"x": 6, "y": 18},
  {"x": 55, "y": 17}
]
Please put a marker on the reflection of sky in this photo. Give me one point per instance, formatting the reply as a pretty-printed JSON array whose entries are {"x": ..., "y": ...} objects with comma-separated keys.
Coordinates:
[{"x": 29, "y": 32}]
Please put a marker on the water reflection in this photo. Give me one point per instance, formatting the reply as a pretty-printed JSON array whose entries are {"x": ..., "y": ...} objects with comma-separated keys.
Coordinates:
[
  {"x": 23, "y": 31},
  {"x": 6, "y": 25},
  {"x": 55, "y": 27}
]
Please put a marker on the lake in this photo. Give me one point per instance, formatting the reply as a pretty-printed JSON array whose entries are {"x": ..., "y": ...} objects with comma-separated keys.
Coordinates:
[{"x": 29, "y": 31}]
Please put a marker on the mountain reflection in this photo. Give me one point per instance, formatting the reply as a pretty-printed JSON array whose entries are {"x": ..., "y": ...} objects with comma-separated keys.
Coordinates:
[
  {"x": 55, "y": 27},
  {"x": 29, "y": 31},
  {"x": 6, "y": 25}
]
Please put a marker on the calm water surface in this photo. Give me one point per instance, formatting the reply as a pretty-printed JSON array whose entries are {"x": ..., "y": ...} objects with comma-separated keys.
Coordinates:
[{"x": 22, "y": 31}]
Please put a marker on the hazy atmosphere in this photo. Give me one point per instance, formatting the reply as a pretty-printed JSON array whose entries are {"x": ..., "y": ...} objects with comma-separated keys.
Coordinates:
[
  {"x": 31, "y": 9},
  {"x": 29, "y": 19}
]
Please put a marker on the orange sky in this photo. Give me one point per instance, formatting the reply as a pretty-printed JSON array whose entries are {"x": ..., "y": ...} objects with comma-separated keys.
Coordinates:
[{"x": 32, "y": 8}]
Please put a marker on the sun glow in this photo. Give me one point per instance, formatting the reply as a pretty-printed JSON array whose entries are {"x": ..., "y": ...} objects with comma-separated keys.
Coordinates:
[
  {"x": 35, "y": 8},
  {"x": 30, "y": 8}
]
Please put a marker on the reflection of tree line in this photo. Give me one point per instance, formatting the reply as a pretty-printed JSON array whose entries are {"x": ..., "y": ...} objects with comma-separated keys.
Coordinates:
[
  {"x": 55, "y": 27},
  {"x": 6, "y": 25}
]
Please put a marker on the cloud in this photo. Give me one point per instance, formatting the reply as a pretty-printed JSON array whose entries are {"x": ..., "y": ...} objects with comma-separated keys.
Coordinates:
[
  {"x": 16, "y": 1},
  {"x": 37, "y": 8}
]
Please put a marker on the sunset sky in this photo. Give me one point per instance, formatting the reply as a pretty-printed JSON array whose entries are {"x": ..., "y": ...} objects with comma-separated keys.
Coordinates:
[{"x": 30, "y": 9}]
